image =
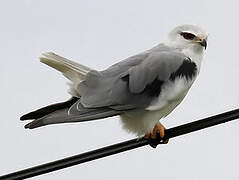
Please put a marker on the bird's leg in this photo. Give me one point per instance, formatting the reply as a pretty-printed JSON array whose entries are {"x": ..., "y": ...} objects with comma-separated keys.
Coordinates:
[{"x": 158, "y": 131}]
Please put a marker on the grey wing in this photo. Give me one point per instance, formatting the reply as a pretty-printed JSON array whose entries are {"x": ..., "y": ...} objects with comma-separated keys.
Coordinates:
[
  {"x": 159, "y": 65},
  {"x": 129, "y": 85}
]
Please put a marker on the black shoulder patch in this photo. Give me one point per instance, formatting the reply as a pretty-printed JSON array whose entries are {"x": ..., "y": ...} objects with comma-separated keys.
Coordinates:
[
  {"x": 188, "y": 69},
  {"x": 153, "y": 89}
]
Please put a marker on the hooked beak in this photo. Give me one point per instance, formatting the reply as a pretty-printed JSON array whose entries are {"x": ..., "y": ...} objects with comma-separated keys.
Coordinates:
[{"x": 203, "y": 43}]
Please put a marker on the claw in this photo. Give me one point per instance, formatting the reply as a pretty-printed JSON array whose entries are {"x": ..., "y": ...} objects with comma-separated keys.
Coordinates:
[{"x": 157, "y": 133}]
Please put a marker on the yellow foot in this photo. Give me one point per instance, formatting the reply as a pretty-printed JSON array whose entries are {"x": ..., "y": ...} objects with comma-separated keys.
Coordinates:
[{"x": 158, "y": 131}]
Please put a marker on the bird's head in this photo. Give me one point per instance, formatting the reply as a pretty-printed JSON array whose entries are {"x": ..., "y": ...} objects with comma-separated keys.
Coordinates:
[{"x": 188, "y": 36}]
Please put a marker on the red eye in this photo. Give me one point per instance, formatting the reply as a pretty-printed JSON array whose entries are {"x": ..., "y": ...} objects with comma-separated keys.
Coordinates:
[{"x": 188, "y": 36}]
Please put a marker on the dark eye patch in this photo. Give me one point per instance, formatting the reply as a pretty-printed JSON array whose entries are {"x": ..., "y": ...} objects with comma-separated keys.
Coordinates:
[{"x": 188, "y": 36}]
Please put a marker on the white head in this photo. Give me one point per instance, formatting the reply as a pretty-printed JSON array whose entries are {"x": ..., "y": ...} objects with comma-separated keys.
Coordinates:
[{"x": 188, "y": 37}]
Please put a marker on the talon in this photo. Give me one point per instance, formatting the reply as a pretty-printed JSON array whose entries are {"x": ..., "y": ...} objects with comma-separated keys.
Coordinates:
[{"x": 158, "y": 131}]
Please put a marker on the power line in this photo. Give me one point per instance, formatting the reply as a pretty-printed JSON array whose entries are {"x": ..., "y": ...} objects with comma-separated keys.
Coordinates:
[{"x": 121, "y": 147}]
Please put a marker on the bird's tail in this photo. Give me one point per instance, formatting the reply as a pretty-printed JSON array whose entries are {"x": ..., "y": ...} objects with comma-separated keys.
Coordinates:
[
  {"x": 73, "y": 71},
  {"x": 65, "y": 113}
]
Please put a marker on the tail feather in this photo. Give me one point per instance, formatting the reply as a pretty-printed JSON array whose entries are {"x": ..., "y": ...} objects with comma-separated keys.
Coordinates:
[{"x": 72, "y": 70}]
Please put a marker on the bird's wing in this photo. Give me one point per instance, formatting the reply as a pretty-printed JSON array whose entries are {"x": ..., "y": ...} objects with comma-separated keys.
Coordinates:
[
  {"x": 158, "y": 66},
  {"x": 73, "y": 71},
  {"x": 128, "y": 85},
  {"x": 133, "y": 87}
]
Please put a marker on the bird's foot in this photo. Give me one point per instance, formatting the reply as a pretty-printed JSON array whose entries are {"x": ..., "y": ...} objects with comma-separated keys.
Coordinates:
[{"x": 156, "y": 136}]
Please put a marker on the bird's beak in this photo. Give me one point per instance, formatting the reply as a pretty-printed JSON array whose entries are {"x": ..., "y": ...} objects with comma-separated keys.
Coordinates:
[{"x": 203, "y": 43}]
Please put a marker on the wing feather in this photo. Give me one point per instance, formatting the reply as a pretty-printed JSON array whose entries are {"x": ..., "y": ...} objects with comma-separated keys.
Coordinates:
[{"x": 132, "y": 87}]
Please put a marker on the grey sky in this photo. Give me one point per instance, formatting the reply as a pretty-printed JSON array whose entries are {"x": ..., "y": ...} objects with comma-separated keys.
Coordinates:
[{"x": 98, "y": 34}]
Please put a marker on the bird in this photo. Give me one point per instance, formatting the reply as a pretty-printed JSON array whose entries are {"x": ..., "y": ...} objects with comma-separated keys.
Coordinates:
[{"x": 141, "y": 89}]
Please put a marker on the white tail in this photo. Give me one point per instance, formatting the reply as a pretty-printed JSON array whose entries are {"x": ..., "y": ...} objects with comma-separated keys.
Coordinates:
[{"x": 73, "y": 71}]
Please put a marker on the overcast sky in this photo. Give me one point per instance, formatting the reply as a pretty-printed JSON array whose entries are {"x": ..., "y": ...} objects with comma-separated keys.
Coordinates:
[{"x": 98, "y": 34}]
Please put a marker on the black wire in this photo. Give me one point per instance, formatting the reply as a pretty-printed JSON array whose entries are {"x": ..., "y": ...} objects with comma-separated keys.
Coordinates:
[{"x": 120, "y": 147}]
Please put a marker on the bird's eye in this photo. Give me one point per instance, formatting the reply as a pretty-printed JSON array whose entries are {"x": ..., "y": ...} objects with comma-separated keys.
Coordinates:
[{"x": 188, "y": 36}]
